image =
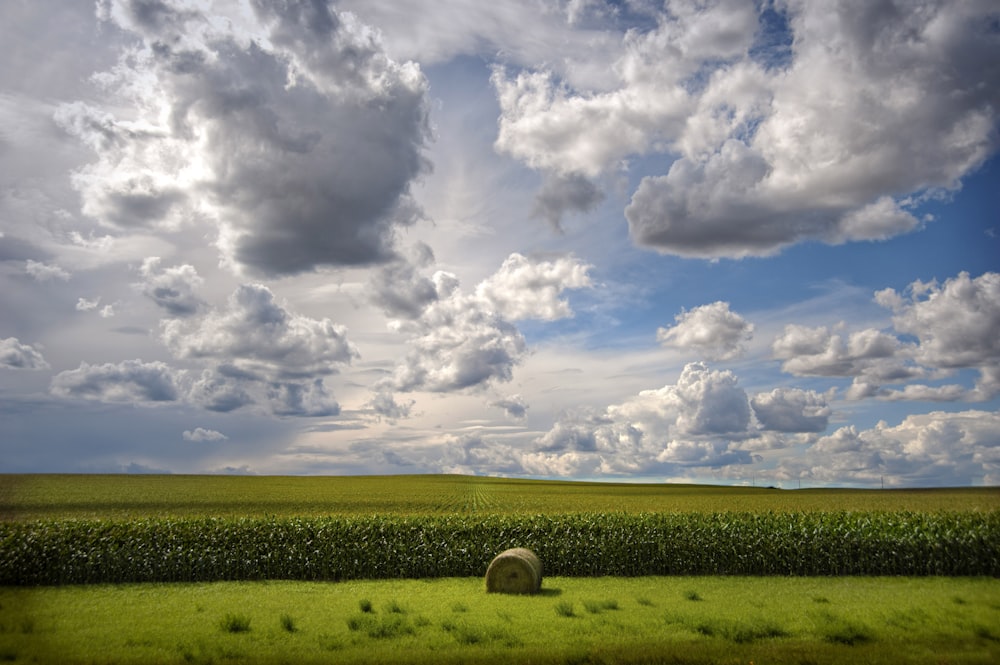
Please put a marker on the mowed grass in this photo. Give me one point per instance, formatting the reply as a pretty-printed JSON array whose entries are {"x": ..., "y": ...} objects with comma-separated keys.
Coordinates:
[
  {"x": 452, "y": 620},
  {"x": 28, "y": 497}
]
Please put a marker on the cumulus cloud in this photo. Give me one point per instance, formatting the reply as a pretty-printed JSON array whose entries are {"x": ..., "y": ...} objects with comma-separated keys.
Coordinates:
[
  {"x": 172, "y": 289},
  {"x": 259, "y": 353},
  {"x": 199, "y": 434},
  {"x": 127, "y": 381},
  {"x": 791, "y": 410},
  {"x": 513, "y": 405},
  {"x": 711, "y": 330},
  {"x": 464, "y": 340},
  {"x": 15, "y": 355},
  {"x": 955, "y": 323},
  {"x": 529, "y": 289},
  {"x": 953, "y": 326},
  {"x": 260, "y": 338},
  {"x": 704, "y": 420},
  {"x": 385, "y": 405},
  {"x": 937, "y": 448},
  {"x": 825, "y": 136},
  {"x": 287, "y": 126}
]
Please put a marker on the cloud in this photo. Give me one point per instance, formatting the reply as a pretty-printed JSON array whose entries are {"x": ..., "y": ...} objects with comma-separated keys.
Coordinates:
[
  {"x": 955, "y": 323},
  {"x": 791, "y": 410},
  {"x": 384, "y": 405},
  {"x": 953, "y": 327},
  {"x": 463, "y": 341},
  {"x": 172, "y": 289},
  {"x": 690, "y": 423},
  {"x": 563, "y": 194},
  {"x": 705, "y": 421},
  {"x": 513, "y": 405},
  {"x": 199, "y": 434},
  {"x": 301, "y": 398},
  {"x": 936, "y": 448},
  {"x": 524, "y": 288},
  {"x": 222, "y": 389},
  {"x": 15, "y": 355},
  {"x": 257, "y": 336},
  {"x": 44, "y": 272},
  {"x": 818, "y": 351},
  {"x": 84, "y": 305},
  {"x": 826, "y": 135},
  {"x": 398, "y": 288},
  {"x": 711, "y": 330},
  {"x": 127, "y": 381},
  {"x": 287, "y": 127}
]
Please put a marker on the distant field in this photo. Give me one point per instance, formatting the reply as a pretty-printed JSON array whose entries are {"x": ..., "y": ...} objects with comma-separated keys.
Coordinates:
[{"x": 29, "y": 497}]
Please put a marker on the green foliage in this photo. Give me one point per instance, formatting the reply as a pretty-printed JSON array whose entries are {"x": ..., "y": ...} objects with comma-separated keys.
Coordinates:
[
  {"x": 576, "y": 545},
  {"x": 288, "y": 623},
  {"x": 235, "y": 623},
  {"x": 565, "y": 609}
]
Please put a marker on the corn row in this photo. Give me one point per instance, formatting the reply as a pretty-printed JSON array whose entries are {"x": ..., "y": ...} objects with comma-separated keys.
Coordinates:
[{"x": 339, "y": 548}]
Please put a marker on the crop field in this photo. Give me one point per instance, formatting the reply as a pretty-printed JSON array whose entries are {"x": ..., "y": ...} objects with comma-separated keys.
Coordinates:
[
  {"x": 25, "y": 497},
  {"x": 820, "y": 576}
]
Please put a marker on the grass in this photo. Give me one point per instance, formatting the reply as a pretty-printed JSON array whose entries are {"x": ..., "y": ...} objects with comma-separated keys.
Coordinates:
[
  {"x": 44, "y": 496},
  {"x": 450, "y": 620}
]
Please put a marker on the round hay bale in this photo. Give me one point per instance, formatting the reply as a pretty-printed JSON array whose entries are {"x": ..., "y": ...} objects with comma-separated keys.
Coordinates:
[{"x": 516, "y": 570}]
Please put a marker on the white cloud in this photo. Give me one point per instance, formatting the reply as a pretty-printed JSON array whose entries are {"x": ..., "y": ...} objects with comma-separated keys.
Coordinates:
[
  {"x": 15, "y": 355},
  {"x": 199, "y": 434},
  {"x": 871, "y": 106},
  {"x": 259, "y": 337},
  {"x": 955, "y": 323},
  {"x": 712, "y": 330},
  {"x": 940, "y": 448},
  {"x": 173, "y": 289},
  {"x": 127, "y": 381},
  {"x": 954, "y": 326},
  {"x": 791, "y": 410},
  {"x": 288, "y": 127},
  {"x": 529, "y": 289},
  {"x": 464, "y": 341},
  {"x": 44, "y": 272},
  {"x": 84, "y": 305}
]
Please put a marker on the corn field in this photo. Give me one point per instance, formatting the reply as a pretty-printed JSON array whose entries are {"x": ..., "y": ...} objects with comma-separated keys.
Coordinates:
[{"x": 50, "y": 552}]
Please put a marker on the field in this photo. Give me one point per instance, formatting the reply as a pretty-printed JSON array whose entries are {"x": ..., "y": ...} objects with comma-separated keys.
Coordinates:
[
  {"x": 24, "y": 497},
  {"x": 782, "y": 576},
  {"x": 451, "y": 620}
]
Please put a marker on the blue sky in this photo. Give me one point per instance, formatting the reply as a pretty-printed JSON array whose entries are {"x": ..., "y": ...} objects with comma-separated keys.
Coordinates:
[{"x": 676, "y": 241}]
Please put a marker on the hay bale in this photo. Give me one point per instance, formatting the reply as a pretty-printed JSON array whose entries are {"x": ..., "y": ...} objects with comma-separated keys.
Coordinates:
[{"x": 516, "y": 570}]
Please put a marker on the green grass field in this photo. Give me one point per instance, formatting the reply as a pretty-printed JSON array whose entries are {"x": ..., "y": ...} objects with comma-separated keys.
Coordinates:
[
  {"x": 25, "y": 497},
  {"x": 452, "y": 620},
  {"x": 80, "y": 527}
]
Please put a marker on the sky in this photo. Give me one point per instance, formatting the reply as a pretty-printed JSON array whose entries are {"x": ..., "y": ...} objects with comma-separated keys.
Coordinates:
[{"x": 735, "y": 242}]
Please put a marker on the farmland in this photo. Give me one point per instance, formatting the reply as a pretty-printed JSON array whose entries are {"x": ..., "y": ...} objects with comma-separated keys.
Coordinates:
[
  {"x": 632, "y": 572},
  {"x": 25, "y": 497}
]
